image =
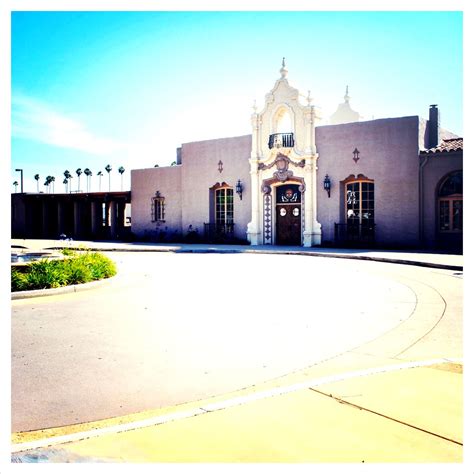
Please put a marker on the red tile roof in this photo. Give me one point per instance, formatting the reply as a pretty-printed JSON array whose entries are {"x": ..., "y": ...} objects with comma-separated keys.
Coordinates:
[{"x": 446, "y": 146}]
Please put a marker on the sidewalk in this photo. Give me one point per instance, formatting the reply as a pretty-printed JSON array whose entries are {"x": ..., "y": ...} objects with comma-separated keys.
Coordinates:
[
  {"x": 434, "y": 260},
  {"x": 393, "y": 413}
]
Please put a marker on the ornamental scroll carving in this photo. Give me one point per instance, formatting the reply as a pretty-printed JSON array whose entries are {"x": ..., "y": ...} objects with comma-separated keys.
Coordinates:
[
  {"x": 268, "y": 183},
  {"x": 282, "y": 164},
  {"x": 267, "y": 218}
]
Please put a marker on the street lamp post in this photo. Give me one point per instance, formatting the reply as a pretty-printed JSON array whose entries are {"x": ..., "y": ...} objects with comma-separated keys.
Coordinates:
[{"x": 21, "y": 179}]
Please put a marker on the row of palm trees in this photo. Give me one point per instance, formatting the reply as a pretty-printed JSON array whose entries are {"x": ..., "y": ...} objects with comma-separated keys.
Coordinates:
[{"x": 68, "y": 179}]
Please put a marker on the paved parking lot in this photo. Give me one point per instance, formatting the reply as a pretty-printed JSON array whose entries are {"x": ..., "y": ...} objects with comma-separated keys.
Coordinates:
[{"x": 176, "y": 329}]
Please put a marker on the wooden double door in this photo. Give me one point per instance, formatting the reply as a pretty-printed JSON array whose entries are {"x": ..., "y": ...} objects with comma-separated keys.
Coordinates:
[{"x": 288, "y": 224}]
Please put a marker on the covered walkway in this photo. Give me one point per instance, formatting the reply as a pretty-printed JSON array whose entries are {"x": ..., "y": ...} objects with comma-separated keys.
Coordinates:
[{"x": 98, "y": 216}]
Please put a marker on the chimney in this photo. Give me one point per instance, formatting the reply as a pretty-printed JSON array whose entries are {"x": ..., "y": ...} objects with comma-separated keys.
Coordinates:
[
  {"x": 178, "y": 156},
  {"x": 433, "y": 127}
]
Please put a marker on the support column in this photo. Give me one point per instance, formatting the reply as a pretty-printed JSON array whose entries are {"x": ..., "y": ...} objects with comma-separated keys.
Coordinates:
[
  {"x": 101, "y": 218},
  {"x": 77, "y": 220},
  {"x": 44, "y": 222},
  {"x": 113, "y": 219},
  {"x": 254, "y": 233},
  {"x": 106, "y": 217},
  {"x": 60, "y": 212},
  {"x": 312, "y": 233},
  {"x": 120, "y": 217},
  {"x": 95, "y": 214}
]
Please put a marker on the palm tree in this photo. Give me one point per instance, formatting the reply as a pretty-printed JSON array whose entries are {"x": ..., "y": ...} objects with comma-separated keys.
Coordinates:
[
  {"x": 37, "y": 177},
  {"x": 47, "y": 183},
  {"x": 88, "y": 173},
  {"x": 15, "y": 183},
  {"x": 53, "y": 179},
  {"x": 108, "y": 168},
  {"x": 78, "y": 172},
  {"x": 68, "y": 176},
  {"x": 121, "y": 170},
  {"x": 100, "y": 174},
  {"x": 65, "y": 181}
]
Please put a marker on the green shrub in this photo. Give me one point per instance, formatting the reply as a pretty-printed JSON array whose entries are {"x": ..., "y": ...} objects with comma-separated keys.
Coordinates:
[
  {"x": 45, "y": 274},
  {"x": 100, "y": 265},
  {"x": 77, "y": 271},
  {"x": 18, "y": 280},
  {"x": 68, "y": 252},
  {"x": 76, "y": 268}
]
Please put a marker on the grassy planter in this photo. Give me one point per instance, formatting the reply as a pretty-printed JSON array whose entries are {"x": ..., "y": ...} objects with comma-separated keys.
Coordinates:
[{"x": 77, "y": 268}]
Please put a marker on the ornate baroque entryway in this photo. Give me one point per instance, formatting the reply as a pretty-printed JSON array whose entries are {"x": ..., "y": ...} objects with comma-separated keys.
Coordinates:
[
  {"x": 283, "y": 170},
  {"x": 284, "y": 222},
  {"x": 288, "y": 215}
]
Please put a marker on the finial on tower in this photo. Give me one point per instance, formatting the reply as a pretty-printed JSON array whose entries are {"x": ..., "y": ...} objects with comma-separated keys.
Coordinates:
[
  {"x": 309, "y": 98},
  {"x": 254, "y": 106},
  {"x": 283, "y": 70},
  {"x": 346, "y": 97}
]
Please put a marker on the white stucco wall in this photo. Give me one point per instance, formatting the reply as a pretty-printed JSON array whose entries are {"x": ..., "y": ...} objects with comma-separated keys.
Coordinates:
[
  {"x": 200, "y": 172},
  {"x": 388, "y": 155},
  {"x": 144, "y": 184}
]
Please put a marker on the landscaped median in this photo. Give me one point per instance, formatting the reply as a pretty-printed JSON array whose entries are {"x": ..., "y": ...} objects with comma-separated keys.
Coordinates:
[{"x": 75, "y": 268}]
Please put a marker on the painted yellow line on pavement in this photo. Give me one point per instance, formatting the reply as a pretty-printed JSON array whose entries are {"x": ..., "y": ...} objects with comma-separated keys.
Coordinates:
[
  {"x": 297, "y": 427},
  {"x": 45, "y": 438}
]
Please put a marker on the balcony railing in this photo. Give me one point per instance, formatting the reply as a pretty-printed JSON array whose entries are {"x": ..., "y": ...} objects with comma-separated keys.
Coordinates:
[
  {"x": 278, "y": 140},
  {"x": 355, "y": 234},
  {"x": 218, "y": 233}
]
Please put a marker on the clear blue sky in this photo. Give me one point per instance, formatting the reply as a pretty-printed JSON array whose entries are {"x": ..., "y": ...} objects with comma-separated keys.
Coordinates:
[{"x": 124, "y": 88}]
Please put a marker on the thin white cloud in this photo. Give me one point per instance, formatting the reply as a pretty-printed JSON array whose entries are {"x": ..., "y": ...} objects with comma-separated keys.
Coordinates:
[{"x": 37, "y": 121}]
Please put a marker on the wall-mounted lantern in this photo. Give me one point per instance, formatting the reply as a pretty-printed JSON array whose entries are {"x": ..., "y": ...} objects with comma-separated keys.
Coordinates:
[
  {"x": 239, "y": 189},
  {"x": 220, "y": 166},
  {"x": 327, "y": 185}
]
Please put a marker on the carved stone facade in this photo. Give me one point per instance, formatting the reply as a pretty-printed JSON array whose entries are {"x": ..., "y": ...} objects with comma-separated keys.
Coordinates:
[{"x": 275, "y": 161}]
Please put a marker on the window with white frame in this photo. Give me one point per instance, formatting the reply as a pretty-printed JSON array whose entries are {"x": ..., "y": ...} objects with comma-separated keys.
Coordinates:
[
  {"x": 224, "y": 205},
  {"x": 360, "y": 207}
]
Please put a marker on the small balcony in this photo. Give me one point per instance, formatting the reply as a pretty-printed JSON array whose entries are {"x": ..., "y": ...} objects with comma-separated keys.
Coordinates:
[
  {"x": 281, "y": 140},
  {"x": 355, "y": 234}
]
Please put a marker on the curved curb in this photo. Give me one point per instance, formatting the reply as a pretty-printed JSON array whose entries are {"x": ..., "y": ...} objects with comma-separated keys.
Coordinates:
[
  {"x": 213, "y": 250},
  {"x": 20, "y": 295},
  {"x": 417, "y": 263}
]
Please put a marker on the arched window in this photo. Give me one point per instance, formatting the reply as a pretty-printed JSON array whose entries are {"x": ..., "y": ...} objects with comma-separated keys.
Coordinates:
[
  {"x": 284, "y": 124},
  {"x": 450, "y": 203},
  {"x": 224, "y": 205},
  {"x": 282, "y": 129},
  {"x": 360, "y": 208}
]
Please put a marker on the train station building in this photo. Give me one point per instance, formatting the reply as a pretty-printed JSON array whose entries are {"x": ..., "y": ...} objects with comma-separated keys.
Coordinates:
[
  {"x": 388, "y": 183},
  {"x": 393, "y": 182}
]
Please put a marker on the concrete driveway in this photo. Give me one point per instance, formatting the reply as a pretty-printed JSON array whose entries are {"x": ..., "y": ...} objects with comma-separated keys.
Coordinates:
[{"x": 172, "y": 328}]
